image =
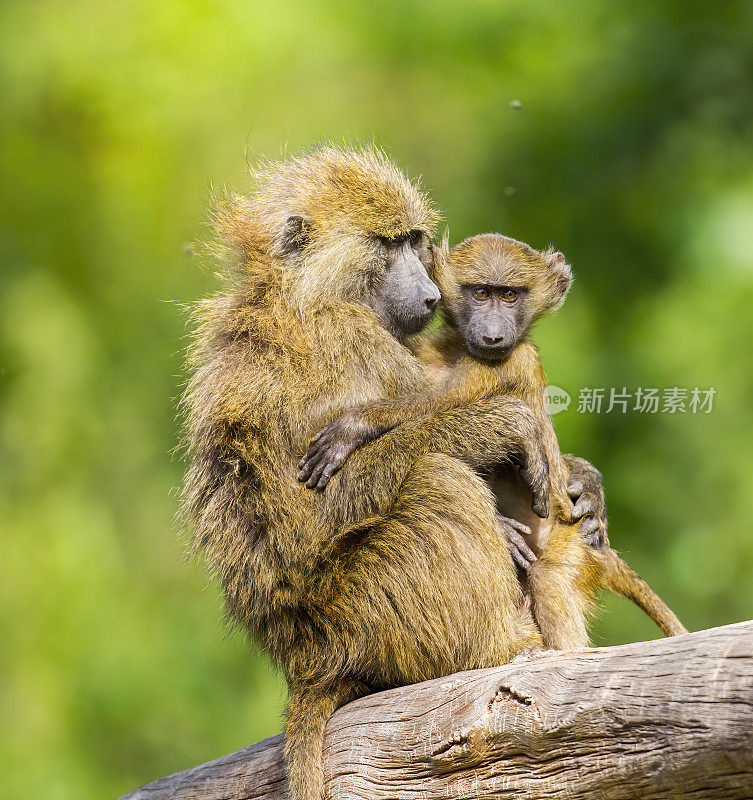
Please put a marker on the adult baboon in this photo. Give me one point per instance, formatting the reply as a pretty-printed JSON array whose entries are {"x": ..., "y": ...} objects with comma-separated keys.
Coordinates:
[{"x": 397, "y": 572}]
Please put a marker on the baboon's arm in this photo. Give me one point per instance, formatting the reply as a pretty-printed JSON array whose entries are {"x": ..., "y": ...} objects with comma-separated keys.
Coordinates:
[
  {"x": 573, "y": 478},
  {"x": 483, "y": 433},
  {"x": 363, "y": 423},
  {"x": 469, "y": 382}
]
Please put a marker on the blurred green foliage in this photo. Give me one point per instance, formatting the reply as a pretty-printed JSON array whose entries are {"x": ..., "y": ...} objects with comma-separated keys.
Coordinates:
[{"x": 631, "y": 152}]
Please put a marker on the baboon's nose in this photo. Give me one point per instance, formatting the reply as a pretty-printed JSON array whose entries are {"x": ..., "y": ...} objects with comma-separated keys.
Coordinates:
[
  {"x": 491, "y": 341},
  {"x": 431, "y": 303}
]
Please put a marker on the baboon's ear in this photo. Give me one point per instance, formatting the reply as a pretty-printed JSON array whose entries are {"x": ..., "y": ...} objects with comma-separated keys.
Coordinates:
[
  {"x": 441, "y": 252},
  {"x": 439, "y": 270},
  {"x": 437, "y": 255},
  {"x": 294, "y": 235},
  {"x": 562, "y": 273}
]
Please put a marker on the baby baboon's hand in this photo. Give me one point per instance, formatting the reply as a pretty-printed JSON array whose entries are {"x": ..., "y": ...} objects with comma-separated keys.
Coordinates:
[
  {"x": 587, "y": 493},
  {"x": 514, "y": 533},
  {"x": 331, "y": 447}
]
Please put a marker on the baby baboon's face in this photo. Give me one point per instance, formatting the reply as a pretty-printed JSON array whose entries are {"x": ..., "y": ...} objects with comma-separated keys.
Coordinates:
[
  {"x": 498, "y": 288},
  {"x": 493, "y": 318}
]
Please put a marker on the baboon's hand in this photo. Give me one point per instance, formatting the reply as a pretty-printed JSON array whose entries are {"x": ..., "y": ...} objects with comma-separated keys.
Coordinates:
[
  {"x": 331, "y": 447},
  {"x": 589, "y": 506},
  {"x": 531, "y": 459},
  {"x": 514, "y": 533}
]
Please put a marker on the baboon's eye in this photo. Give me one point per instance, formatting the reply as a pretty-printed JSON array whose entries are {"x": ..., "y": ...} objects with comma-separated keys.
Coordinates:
[
  {"x": 393, "y": 241},
  {"x": 509, "y": 295},
  {"x": 479, "y": 293},
  {"x": 416, "y": 237}
]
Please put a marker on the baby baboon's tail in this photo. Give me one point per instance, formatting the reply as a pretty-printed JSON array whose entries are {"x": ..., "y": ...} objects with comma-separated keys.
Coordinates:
[{"x": 619, "y": 578}]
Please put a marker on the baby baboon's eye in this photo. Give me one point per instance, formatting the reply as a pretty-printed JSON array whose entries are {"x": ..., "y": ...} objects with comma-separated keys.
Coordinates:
[
  {"x": 509, "y": 295},
  {"x": 479, "y": 293}
]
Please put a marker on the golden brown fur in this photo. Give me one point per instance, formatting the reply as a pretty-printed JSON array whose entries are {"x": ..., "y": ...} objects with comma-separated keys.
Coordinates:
[
  {"x": 395, "y": 573},
  {"x": 564, "y": 579}
]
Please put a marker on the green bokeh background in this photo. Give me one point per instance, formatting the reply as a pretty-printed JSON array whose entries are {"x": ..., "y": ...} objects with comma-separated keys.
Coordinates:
[{"x": 632, "y": 152}]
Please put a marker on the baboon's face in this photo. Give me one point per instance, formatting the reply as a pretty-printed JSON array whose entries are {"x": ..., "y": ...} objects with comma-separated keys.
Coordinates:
[
  {"x": 493, "y": 318},
  {"x": 496, "y": 288},
  {"x": 405, "y": 297}
]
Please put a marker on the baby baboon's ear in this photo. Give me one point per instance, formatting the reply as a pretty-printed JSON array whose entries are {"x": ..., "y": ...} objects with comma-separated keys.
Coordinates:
[
  {"x": 294, "y": 235},
  {"x": 562, "y": 275}
]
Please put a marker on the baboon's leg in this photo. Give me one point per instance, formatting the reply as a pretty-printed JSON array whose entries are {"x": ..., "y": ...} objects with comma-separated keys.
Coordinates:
[
  {"x": 436, "y": 581},
  {"x": 424, "y": 591},
  {"x": 563, "y": 583}
]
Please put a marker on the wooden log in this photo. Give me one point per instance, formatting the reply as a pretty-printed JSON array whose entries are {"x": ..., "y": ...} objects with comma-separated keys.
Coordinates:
[{"x": 671, "y": 718}]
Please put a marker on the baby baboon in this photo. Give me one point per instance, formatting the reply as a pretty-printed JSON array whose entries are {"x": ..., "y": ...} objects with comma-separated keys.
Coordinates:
[
  {"x": 494, "y": 289},
  {"x": 395, "y": 573}
]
